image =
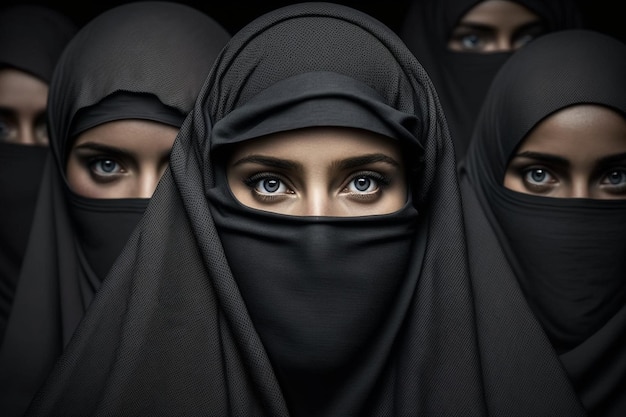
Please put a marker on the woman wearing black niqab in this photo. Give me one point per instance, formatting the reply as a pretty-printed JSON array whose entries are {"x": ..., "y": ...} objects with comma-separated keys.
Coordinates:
[
  {"x": 216, "y": 308},
  {"x": 566, "y": 253},
  {"x": 143, "y": 61},
  {"x": 32, "y": 38},
  {"x": 462, "y": 78}
]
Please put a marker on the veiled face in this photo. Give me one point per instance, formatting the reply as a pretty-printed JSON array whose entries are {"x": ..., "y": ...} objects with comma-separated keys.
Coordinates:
[
  {"x": 495, "y": 26},
  {"x": 322, "y": 171},
  {"x": 22, "y": 108},
  {"x": 120, "y": 159},
  {"x": 578, "y": 152}
]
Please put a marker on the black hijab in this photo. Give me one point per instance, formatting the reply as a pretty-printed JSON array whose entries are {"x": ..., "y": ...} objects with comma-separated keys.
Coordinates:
[
  {"x": 144, "y": 60},
  {"x": 31, "y": 40},
  {"x": 568, "y": 254},
  {"x": 462, "y": 78},
  {"x": 217, "y": 309}
]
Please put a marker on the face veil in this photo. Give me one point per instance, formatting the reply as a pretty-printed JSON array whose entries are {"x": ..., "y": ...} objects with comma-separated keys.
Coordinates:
[
  {"x": 181, "y": 330},
  {"x": 566, "y": 253}
]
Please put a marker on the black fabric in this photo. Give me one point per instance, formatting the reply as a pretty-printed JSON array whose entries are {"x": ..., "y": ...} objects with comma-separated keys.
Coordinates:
[
  {"x": 567, "y": 254},
  {"x": 20, "y": 174},
  {"x": 159, "y": 49},
  {"x": 31, "y": 40},
  {"x": 462, "y": 78},
  {"x": 186, "y": 322}
]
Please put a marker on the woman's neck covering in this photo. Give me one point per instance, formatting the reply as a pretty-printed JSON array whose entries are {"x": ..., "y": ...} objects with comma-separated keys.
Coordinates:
[
  {"x": 462, "y": 78},
  {"x": 198, "y": 318},
  {"x": 31, "y": 40},
  {"x": 567, "y": 254},
  {"x": 141, "y": 55}
]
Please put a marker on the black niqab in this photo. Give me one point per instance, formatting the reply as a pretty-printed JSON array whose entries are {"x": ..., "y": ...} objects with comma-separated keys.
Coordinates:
[
  {"x": 462, "y": 78},
  {"x": 32, "y": 38},
  {"x": 567, "y": 254},
  {"x": 137, "y": 54}
]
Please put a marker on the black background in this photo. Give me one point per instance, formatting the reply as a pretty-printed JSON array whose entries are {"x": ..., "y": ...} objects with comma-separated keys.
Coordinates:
[{"x": 604, "y": 15}]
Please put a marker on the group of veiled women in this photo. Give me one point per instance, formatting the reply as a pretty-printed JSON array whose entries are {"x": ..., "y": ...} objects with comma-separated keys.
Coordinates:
[{"x": 318, "y": 216}]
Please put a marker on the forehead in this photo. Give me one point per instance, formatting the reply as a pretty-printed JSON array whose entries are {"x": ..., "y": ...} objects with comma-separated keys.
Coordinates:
[
  {"x": 499, "y": 13},
  {"x": 580, "y": 131}
]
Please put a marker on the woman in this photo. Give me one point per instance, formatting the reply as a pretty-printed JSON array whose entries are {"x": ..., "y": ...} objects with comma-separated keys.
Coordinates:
[
  {"x": 463, "y": 43},
  {"x": 304, "y": 253},
  {"x": 547, "y": 167},
  {"x": 31, "y": 40},
  {"x": 118, "y": 96}
]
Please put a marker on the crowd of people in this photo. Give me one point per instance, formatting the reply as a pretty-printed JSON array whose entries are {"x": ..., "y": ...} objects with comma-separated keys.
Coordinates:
[{"x": 313, "y": 215}]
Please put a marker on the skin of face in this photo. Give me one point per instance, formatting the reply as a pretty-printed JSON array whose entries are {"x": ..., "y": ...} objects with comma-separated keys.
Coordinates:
[
  {"x": 495, "y": 26},
  {"x": 321, "y": 171},
  {"x": 22, "y": 108},
  {"x": 120, "y": 159},
  {"x": 577, "y": 152}
]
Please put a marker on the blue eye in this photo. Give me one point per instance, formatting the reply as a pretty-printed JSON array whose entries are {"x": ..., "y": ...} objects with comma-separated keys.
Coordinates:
[
  {"x": 268, "y": 185},
  {"x": 105, "y": 167},
  {"x": 616, "y": 177},
  {"x": 537, "y": 176},
  {"x": 363, "y": 184},
  {"x": 470, "y": 41}
]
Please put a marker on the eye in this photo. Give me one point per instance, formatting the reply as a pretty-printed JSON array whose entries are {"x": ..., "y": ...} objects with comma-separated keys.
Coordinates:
[
  {"x": 362, "y": 184},
  {"x": 8, "y": 132},
  {"x": 538, "y": 176},
  {"x": 470, "y": 41},
  {"x": 367, "y": 183},
  {"x": 616, "y": 177},
  {"x": 267, "y": 184},
  {"x": 105, "y": 167}
]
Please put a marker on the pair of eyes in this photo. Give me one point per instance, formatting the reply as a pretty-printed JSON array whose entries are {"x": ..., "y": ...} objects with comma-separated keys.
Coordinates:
[
  {"x": 539, "y": 177},
  {"x": 267, "y": 183},
  {"x": 477, "y": 40},
  {"x": 10, "y": 130}
]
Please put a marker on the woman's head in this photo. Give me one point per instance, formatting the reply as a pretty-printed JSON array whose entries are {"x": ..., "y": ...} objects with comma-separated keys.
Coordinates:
[
  {"x": 121, "y": 91},
  {"x": 32, "y": 38},
  {"x": 576, "y": 152},
  {"x": 495, "y": 26}
]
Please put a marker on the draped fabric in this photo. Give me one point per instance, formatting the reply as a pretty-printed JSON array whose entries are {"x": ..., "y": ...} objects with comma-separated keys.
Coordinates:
[
  {"x": 31, "y": 40},
  {"x": 566, "y": 253},
  {"x": 462, "y": 78},
  {"x": 149, "y": 59},
  {"x": 214, "y": 308}
]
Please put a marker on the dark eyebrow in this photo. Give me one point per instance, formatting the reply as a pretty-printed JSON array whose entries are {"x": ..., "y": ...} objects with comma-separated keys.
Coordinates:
[
  {"x": 269, "y": 161},
  {"x": 479, "y": 27},
  {"x": 92, "y": 146},
  {"x": 358, "y": 161},
  {"x": 547, "y": 158},
  {"x": 612, "y": 159}
]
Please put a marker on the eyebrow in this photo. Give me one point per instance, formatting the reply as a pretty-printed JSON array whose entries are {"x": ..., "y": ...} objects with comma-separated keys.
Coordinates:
[
  {"x": 269, "y": 161},
  {"x": 348, "y": 163},
  {"x": 612, "y": 158},
  {"x": 92, "y": 146},
  {"x": 543, "y": 157},
  {"x": 358, "y": 161}
]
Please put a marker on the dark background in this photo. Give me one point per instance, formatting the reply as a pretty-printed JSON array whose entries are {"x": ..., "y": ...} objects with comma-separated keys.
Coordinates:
[{"x": 604, "y": 15}]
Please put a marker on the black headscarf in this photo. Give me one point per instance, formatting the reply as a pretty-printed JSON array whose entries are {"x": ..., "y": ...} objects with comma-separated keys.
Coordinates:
[
  {"x": 141, "y": 60},
  {"x": 31, "y": 40},
  {"x": 568, "y": 254},
  {"x": 462, "y": 78},
  {"x": 217, "y": 309}
]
